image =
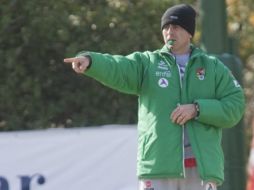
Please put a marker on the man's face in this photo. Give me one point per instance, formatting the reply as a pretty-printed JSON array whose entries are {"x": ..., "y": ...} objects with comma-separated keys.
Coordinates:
[{"x": 179, "y": 35}]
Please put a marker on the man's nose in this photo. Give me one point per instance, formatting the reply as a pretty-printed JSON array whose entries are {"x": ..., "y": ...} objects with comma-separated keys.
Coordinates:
[{"x": 169, "y": 30}]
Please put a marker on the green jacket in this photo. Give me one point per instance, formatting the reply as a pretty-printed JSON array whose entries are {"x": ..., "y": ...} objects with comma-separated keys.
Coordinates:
[{"x": 154, "y": 77}]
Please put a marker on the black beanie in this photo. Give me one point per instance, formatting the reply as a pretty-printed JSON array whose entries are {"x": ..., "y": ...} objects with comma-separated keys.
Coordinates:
[{"x": 182, "y": 15}]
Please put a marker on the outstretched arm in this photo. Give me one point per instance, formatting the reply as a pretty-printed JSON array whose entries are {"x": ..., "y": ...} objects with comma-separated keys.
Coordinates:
[{"x": 122, "y": 73}]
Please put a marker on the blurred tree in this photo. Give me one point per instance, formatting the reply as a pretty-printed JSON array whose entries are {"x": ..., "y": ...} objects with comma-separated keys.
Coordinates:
[
  {"x": 240, "y": 27},
  {"x": 38, "y": 91}
]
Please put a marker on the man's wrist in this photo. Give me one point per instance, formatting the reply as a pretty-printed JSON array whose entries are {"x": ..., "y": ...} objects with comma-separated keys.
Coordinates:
[
  {"x": 90, "y": 61},
  {"x": 197, "y": 110}
]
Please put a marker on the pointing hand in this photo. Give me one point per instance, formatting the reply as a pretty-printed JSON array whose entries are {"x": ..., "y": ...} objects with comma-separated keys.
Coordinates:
[{"x": 79, "y": 64}]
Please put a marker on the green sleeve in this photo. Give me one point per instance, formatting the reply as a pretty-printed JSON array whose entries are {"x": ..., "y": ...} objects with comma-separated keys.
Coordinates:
[
  {"x": 123, "y": 73},
  {"x": 228, "y": 107}
]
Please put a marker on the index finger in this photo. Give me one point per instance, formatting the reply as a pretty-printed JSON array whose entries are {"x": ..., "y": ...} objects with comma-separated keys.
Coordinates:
[{"x": 70, "y": 60}]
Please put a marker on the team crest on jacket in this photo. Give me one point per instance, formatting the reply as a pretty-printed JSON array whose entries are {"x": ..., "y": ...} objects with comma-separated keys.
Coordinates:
[
  {"x": 163, "y": 82},
  {"x": 200, "y": 72}
]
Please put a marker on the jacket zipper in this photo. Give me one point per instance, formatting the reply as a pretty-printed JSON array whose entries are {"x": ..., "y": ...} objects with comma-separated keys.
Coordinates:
[
  {"x": 183, "y": 149},
  {"x": 181, "y": 86}
]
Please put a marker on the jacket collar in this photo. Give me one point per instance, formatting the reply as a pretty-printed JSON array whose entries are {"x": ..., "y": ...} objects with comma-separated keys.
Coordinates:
[{"x": 194, "y": 51}]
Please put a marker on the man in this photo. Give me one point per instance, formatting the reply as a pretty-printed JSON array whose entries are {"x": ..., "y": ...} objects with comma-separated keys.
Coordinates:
[{"x": 186, "y": 98}]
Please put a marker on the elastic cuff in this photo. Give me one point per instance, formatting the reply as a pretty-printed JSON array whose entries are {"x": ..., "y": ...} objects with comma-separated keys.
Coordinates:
[
  {"x": 90, "y": 61},
  {"x": 197, "y": 109}
]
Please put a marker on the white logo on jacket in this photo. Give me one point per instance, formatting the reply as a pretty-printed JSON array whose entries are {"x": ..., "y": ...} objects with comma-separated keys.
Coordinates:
[
  {"x": 236, "y": 84},
  {"x": 163, "y": 74},
  {"x": 162, "y": 65},
  {"x": 163, "y": 82}
]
